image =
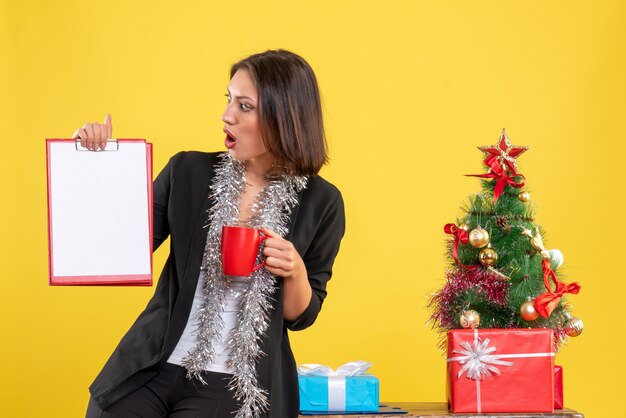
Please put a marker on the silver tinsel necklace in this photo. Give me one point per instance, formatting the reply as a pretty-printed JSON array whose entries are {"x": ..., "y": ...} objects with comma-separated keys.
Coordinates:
[{"x": 271, "y": 210}]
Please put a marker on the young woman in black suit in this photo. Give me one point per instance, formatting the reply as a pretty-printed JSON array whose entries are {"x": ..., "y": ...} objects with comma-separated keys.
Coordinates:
[{"x": 209, "y": 345}]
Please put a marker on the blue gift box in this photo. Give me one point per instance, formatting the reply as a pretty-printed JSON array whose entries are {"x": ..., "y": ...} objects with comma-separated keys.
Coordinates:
[{"x": 354, "y": 393}]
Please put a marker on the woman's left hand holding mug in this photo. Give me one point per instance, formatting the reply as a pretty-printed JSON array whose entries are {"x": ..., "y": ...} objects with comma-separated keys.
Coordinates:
[
  {"x": 281, "y": 257},
  {"x": 283, "y": 260}
]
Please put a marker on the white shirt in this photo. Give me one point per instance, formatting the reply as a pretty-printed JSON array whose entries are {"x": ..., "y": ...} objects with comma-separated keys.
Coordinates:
[{"x": 187, "y": 340}]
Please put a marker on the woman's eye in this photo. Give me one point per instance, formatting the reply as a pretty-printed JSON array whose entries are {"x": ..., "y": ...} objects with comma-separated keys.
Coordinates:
[
  {"x": 228, "y": 97},
  {"x": 245, "y": 107}
]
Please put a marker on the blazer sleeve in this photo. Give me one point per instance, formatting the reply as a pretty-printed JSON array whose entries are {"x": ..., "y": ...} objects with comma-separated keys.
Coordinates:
[
  {"x": 319, "y": 259},
  {"x": 160, "y": 198}
]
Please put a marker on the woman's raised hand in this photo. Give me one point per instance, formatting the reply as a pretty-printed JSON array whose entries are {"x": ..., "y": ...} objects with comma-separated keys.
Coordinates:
[{"x": 94, "y": 135}]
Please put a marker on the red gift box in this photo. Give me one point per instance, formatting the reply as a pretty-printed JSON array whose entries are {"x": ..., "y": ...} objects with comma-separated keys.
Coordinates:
[
  {"x": 558, "y": 387},
  {"x": 500, "y": 370}
]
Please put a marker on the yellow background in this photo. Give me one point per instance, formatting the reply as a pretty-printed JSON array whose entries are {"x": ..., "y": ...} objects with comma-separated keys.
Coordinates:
[{"x": 410, "y": 89}]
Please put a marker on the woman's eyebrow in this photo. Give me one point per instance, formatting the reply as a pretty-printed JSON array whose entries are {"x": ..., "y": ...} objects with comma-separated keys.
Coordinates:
[{"x": 240, "y": 97}]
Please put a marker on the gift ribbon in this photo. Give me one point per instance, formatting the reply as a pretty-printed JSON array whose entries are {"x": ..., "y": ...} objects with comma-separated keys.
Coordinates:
[
  {"x": 548, "y": 301},
  {"x": 336, "y": 393},
  {"x": 336, "y": 379},
  {"x": 499, "y": 173},
  {"x": 479, "y": 361}
]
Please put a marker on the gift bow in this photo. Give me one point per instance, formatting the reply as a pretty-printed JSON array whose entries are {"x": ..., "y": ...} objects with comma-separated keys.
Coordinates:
[
  {"x": 352, "y": 368},
  {"x": 546, "y": 302},
  {"x": 477, "y": 359},
  {"x": 336, "y": 379}
]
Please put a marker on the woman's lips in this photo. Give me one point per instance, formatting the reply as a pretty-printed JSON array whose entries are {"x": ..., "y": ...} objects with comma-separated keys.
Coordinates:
[{"x": 230, "y": 139}]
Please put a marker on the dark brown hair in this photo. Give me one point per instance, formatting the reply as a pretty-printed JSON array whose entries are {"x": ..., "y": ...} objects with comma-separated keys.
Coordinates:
[{"x": 290, "y": 109}]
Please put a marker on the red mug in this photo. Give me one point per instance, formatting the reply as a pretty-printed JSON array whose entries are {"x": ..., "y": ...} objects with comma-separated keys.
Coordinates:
[{"x": 240, "y": 247}]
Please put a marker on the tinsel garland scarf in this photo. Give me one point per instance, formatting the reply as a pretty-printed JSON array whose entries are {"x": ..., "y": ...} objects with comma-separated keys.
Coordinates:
[{"x": 271, "y": 210}]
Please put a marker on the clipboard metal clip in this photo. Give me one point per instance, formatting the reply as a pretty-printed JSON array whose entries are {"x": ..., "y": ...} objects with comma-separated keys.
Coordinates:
[{"x": 112, "y": 145}]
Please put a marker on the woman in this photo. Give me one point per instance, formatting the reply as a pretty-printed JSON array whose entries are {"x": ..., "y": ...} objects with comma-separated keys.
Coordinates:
[{"x": 208, "y": 345}]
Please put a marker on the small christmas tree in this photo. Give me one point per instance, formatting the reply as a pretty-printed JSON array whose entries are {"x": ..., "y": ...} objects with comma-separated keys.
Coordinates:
[{"x": 501, "y": 275}]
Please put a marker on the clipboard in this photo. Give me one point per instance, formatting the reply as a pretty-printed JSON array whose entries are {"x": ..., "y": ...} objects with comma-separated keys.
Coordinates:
[{"x": 99, "y": 213}]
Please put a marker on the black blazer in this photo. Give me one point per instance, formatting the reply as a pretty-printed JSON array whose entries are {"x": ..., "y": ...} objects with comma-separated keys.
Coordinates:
[{"x": 180, "y": 210}]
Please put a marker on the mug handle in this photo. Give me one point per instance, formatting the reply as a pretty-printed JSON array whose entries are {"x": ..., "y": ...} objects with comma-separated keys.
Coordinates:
[{"x": 262, "y": 263}]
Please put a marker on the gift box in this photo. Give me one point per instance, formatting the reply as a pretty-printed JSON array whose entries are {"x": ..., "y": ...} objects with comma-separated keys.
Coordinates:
[
  {"x": 347, "y": 389},
  {"x": 500, "y": 370},
  {"x": 558, "y": 387}
]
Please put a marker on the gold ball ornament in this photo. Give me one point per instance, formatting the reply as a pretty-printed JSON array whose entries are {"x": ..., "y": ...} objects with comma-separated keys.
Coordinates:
[
  {"x": 478, "y": 237},
  {"x": 469, "y": 319},
  {"x": 465, "y": 227},
  {"x": 573, "y": 327},
  {"x": 488, "y": 257},
  {"x": 527, "y": 311},
  {"x": 524, "y": 197}
]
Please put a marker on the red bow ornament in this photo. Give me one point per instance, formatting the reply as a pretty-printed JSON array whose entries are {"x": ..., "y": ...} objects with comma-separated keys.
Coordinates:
[
  {"x": 548, "y": 301},
  {"x": 501, "y": 176},
  {"x": 459, "y": 235}
]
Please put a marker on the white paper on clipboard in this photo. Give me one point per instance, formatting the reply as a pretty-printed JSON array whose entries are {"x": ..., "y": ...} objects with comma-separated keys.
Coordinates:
[{"x": 99, "y": 213}]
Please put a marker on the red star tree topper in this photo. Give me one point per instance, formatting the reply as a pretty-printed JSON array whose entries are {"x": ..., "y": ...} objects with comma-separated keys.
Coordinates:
[
  {"x": 502, "y": 166},
  {"x": 503, "y": 154}
]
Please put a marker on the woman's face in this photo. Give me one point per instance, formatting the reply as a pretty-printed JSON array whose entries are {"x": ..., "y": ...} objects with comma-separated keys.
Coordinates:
[{"x": 241, "y": 120}]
